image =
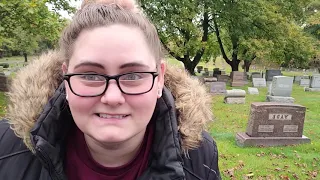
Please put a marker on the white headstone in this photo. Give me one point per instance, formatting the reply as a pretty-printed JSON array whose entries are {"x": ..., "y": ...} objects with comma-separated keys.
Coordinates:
[
  {"x": 281, "y": 86},
  {"x": 315, "y": 81},
  {"x": 253, "y": 91},
  {"x": 259, "y": 82}
]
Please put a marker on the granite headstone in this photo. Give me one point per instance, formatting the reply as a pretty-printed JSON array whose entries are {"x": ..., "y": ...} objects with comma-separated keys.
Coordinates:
[{"x": 274, "y": 124}]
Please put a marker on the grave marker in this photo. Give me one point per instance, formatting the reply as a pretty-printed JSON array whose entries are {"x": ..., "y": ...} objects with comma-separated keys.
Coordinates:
[
  {"x": 218, "y": 88},
  {"x": 274, "y": 124}
]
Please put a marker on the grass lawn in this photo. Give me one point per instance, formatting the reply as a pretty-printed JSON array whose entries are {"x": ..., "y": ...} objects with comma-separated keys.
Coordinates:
[
  {"x": 290, "y": 162},
  {"x": 3, "y": 104}
]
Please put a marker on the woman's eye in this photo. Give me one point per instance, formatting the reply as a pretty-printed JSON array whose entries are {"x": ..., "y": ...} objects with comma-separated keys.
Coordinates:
[
  {"x": 132, "y": 76},
  {"x": 91, "y": 77}
]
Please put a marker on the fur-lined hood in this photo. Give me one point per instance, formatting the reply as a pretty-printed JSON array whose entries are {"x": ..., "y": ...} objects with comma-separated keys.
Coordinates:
[{"x": 31, "y": 89}]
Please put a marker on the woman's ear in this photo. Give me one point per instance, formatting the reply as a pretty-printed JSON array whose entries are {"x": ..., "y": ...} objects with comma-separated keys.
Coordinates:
[
  {"x": 64, "y": 68},
  {"x": 162, "y": 71}
]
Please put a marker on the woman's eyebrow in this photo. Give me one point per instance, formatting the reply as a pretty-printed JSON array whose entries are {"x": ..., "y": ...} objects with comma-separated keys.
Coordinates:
[
  {"x": 88, "y": 63},
  {"x": 133, "y": 64}
]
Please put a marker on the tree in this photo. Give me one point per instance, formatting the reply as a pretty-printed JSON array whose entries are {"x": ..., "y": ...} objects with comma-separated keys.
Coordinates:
[
  {"x": 254, "y": 27},
  {"x": 183, "y": 27},
  {"x": 29, "y": 20},
  {"x": 242, "y": 30}
]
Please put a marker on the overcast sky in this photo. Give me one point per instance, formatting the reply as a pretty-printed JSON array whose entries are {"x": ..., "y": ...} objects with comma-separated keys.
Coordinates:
[{"x": 74, "y": 3}]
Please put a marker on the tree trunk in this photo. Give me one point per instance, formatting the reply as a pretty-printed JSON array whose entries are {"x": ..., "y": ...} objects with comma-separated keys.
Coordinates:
[
  {"x": 247, "y": 65},
  {"x": 235, "y": 64},
  {"x": 189, "y": 66},
  {"x": 25, "y": 57}
]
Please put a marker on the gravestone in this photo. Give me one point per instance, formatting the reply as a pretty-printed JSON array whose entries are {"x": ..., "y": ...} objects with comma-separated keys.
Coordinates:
[
  {"x": 281, "y": 86},
  {"x": 280, "y": 90},
  {"x": 210, "y": 79},
  {"x": 223, "y": 78},
  {"x": 274, "y": 124},
  {"x": 297, "y": 79},
  {"x": 4, "y": 83},
  {"x": 235, "y": 96},
  {"x": 315, "y": 83},
  {"x": 259, "y": 82},
  {"x": 218, "y": 88},
  {"x": 199, "y": 69},
  {"x": 216, "y": 72},
  {"x": 253, "y": 91},
  {"x": 237, "y": 79},
  {"x": 206, "y": 72},
  {"x": 223, "y": 72},
  {"x": 271, "y": 73},
  {"x": 305, "y": 82},
  {"x": 256, "y": 75}
]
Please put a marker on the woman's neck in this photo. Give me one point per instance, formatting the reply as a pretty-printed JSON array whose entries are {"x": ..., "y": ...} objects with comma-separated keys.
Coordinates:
[{"x": 114, "y": 154}]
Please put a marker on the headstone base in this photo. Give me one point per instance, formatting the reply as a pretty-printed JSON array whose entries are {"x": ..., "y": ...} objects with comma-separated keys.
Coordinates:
[
  {"x": 243, "y": 140},
  {"x": 212, "y": 79},
  {"x": 235, "y": 100},
  {"x": 237, "y": 84},
  {"x": 312, "y": 89},
  {"x": 280, "y": 99}
]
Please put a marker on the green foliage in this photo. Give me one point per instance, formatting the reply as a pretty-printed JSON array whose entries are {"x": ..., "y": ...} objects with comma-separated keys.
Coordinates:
[
  {"x": 24, "y": 23},
  {"x": 183, "y": 29},
  {"x": 239, "y": 30}
]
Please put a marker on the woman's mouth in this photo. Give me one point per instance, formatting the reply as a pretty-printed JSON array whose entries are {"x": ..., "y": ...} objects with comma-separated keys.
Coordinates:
[{"x": 112, "y": 116}]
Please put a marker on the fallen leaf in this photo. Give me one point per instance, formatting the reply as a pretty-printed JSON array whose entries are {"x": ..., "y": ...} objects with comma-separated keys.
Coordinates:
[
  {"x": 229, "y": 172},
  {"x": 284, "y": 177},
  {"x": 277, "y": 169},
  {"x": 249, "y": 176}
]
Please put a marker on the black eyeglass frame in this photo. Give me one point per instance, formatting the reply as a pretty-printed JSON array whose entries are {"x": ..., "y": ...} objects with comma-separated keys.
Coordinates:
[{"x": 108, "y": 78}]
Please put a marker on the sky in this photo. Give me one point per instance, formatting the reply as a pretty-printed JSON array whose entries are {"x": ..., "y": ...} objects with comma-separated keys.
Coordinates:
[{"x": 74, "y": 3}]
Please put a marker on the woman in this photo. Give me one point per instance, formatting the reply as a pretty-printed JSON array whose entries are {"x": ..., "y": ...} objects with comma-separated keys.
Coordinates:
[{"x": 105, "y": 107}]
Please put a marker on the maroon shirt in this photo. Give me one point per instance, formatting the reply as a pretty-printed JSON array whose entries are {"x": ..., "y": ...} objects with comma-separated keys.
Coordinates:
[{"x": 81, "y": 166}]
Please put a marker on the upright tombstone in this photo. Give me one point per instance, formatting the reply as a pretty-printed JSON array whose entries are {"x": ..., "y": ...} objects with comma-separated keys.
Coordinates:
[
  {"x": 297, "y": 79},
  {"x": 256, "y": 75},
  {"x": 259, "y": 82},
  {"x": 274, "y": 124},
  {"x": 305, "y": 81},
  {"x": 271, "y": 73},
  {"x": 216, "y": 72},
  {"x": 206, "y": 72},
  {"x": 223, "y": 78},
  {"x": 4, "y": 82},
  {"x": 218, "y": 88},
  {"x": 237, "y": 79},
  {"x": 315, "y": 83},
  {"x": 280, "y": 90},
  {"x": 235, "y": 96},
  {"x": 199, "y": 69}
]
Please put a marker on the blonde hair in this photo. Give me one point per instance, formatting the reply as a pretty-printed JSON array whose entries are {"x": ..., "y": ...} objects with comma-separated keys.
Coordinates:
[
  {"x": 130, "y": 5},
  {"x": 93, "y": 15}
]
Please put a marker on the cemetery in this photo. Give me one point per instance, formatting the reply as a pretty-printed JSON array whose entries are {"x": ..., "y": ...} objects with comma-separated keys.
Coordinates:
[
  {"x": 279, "y": 134},
  {"x": 264, "y": 81}
]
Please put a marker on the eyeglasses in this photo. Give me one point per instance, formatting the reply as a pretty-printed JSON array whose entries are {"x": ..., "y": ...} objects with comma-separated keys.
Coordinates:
[{"x": 92, "y": 84}]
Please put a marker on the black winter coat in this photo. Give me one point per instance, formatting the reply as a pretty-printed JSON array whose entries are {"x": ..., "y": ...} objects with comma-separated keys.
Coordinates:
[{"x": 167, "y": 162}]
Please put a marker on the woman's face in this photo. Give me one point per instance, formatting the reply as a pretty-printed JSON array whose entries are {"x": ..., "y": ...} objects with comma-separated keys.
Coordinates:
[{"x": 113, "y": 116}]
